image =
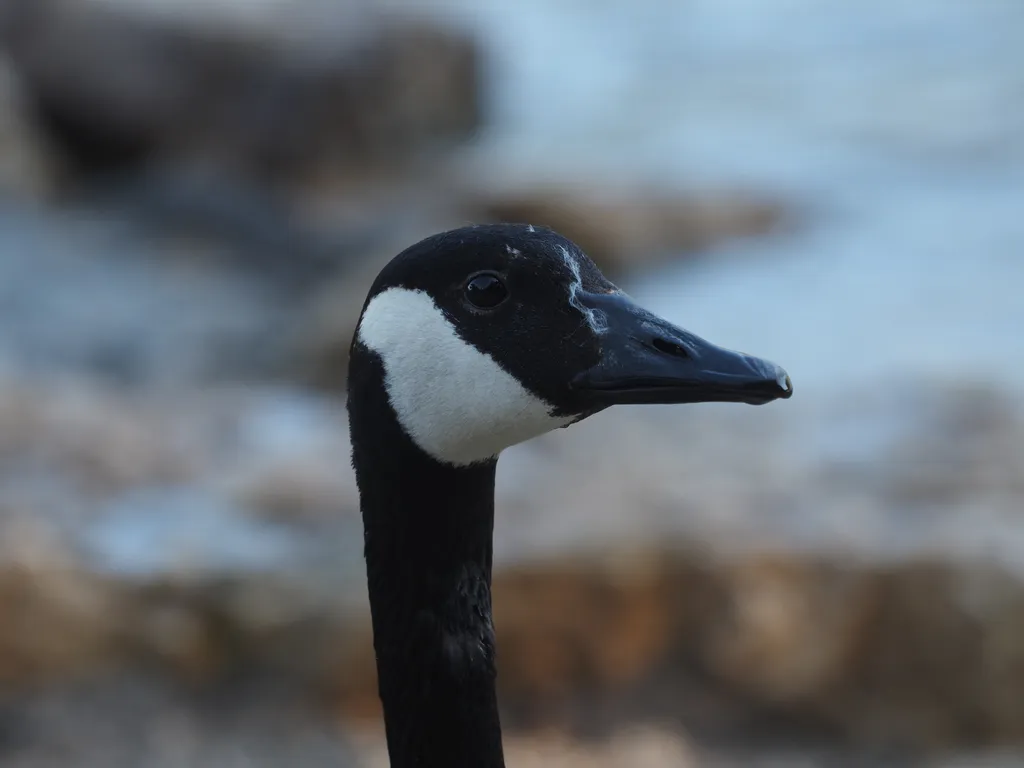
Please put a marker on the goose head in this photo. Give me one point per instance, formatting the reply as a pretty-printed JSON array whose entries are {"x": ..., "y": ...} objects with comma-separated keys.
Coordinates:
[
  {"x": 486, "y": 336},
  {"x": 469, "y": 342}
]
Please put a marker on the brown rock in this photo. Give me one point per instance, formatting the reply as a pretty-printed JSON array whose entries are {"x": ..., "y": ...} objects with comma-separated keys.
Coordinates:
[
  {"x": 53, "y": 612},
  {"x": 919, "y": 654},
  {"x": 564, "y": 626},
  {"x": 621, "y": 228},
  {"x": 939, "y": 658},
  {"x": 786, "y": 627},
  {"x": 624, "y": 748}
]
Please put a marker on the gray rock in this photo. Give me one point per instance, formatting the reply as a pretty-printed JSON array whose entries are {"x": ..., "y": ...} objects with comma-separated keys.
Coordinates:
[
  {"x": 117, "y": 89},
  {"x": 26, "y": 168}
]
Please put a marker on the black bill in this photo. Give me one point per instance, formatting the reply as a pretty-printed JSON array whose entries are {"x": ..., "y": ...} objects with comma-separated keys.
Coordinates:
[{"x": 645, "y": 359}]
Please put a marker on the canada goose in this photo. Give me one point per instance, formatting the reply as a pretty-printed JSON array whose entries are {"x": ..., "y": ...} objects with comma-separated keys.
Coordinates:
[{"x": 470, "y": 341}]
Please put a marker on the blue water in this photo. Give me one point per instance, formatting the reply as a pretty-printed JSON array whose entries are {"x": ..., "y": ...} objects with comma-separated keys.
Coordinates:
[{"x": 896, "y": 130}]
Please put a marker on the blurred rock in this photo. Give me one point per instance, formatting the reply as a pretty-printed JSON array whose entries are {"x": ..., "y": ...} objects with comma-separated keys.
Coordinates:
[
  {"x": 918, "y": 654},
  {"x": 345, "y": 93},
  {"x": 134, "y": 530},
  {"x": 215, "y": 534},
  {"x": 626, "y": 748},
  {"x": 639, "y": 748},
  {"x": 54, "y": 615},
  {"x": 141, "y": 721},
  {"x": 621, "y": 228}
]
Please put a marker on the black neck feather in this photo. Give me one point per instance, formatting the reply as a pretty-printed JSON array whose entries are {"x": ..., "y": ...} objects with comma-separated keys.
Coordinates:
[{"x": 428, "y": 542}]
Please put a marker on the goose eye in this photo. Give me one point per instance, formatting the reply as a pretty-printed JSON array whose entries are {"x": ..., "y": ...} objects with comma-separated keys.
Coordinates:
[{"x": 486, "y": 291}]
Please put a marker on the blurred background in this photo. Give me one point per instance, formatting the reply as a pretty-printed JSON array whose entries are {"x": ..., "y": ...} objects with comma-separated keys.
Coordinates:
[{"x": 194, "y": 198}]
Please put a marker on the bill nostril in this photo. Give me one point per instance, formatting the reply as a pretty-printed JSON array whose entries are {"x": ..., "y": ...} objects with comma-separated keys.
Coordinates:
[
  {"x": 670, "y": 348},
  {"x": 785, "y": 383}
]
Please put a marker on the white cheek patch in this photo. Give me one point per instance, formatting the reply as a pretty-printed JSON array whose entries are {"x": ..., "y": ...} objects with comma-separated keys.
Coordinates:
[
  {"x": 453, "y": 400},
  {"x": 595, "y": 320}
]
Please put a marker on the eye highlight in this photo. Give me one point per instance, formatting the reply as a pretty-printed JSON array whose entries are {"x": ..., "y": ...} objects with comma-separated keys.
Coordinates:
[{"x": 485, "y": 290}]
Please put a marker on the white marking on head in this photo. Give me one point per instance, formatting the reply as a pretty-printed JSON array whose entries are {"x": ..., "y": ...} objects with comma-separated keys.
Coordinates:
[
  {"x": 529, "y": 228},
  {"x": 595, "y": 320},
  {"x": 455, "y": 402},
  {"x": 513, "y": 251}
]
